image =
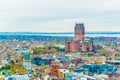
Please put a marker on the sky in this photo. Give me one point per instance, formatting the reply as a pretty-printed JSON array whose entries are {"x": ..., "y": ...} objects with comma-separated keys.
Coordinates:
[{"x": 59, "y": 15}]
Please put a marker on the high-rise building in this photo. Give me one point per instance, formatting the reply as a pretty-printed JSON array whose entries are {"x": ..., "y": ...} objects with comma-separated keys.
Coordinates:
[
  {"x": 79, "y": 43},
  {"x": 27, "y": 60}
]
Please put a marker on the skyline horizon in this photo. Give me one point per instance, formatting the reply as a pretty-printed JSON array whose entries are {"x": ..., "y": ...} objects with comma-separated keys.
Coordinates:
[
  {"x": 61, "y": 32},
  {"x": 58, "y": 34}
]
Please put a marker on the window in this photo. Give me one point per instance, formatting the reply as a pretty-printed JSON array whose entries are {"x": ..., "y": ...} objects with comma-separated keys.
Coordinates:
[{"x": 68, "y": 46}]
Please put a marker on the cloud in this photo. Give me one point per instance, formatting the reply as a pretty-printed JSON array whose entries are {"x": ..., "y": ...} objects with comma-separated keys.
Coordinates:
[{"x": 42, "y": 15}]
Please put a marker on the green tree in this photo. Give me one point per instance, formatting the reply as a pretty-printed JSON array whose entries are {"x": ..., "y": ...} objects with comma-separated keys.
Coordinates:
[
  {"x": 12, "y": 62},
  {"x": 90, "y": 54}
]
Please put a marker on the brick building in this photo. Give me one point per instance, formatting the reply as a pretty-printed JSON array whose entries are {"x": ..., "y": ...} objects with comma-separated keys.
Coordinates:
[{"x": 79, "y": 43}]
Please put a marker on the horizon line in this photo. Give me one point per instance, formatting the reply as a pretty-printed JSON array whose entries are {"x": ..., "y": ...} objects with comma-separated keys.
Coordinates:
[{"x": 50, "y": 32}]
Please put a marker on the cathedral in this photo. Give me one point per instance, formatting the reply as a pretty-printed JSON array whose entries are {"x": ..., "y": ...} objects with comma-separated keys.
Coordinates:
[{"x": 79, "y": 43}]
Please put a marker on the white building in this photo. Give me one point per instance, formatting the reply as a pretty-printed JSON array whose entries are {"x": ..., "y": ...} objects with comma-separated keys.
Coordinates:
[
  {"x": 18, "y": 77},
  {"x": 27, "y": 64}
]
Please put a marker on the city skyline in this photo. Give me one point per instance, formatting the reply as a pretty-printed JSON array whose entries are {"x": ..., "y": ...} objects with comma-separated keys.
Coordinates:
[{"x": 59, "y": 15}]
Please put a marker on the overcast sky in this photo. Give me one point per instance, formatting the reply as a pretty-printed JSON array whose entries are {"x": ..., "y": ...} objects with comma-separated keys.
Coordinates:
[{"x": 59, "y": 15}]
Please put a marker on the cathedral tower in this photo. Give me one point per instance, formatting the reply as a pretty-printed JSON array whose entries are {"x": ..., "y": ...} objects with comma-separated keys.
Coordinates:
[{"x": 79, "y": 32}]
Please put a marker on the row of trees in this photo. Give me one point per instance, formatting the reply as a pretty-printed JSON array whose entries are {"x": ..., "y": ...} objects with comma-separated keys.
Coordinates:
[
  {"x": 5, "y": 67},
  {"x": 43, "y": 50}
]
